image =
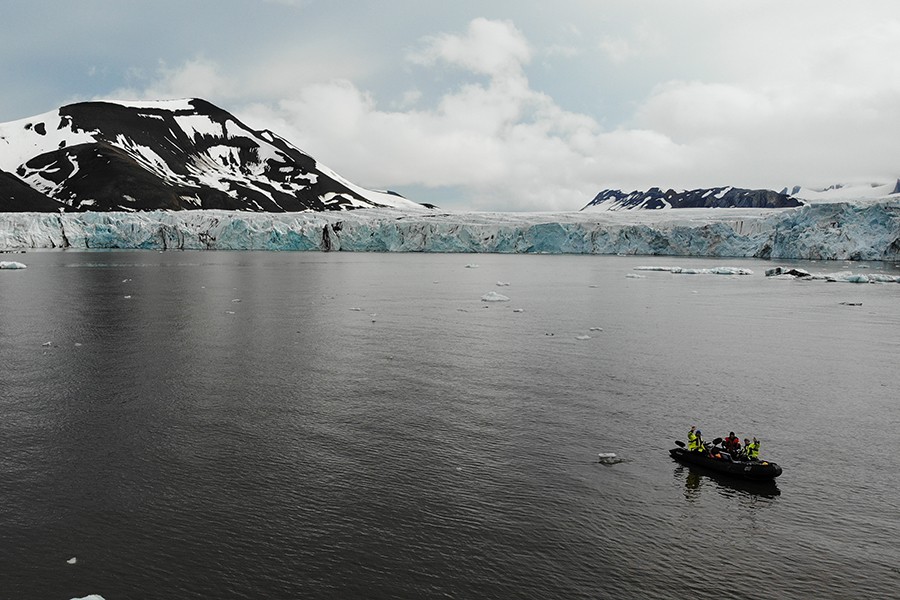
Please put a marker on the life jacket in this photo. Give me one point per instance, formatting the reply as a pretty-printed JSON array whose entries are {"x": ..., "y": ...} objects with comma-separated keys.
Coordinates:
[
  {"x": 693, "y": 441},
  {"x": 752, "y": 450}
]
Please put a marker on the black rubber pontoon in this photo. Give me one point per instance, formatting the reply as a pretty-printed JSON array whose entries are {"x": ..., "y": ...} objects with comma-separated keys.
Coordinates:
[{"x": 756, "y": 470}]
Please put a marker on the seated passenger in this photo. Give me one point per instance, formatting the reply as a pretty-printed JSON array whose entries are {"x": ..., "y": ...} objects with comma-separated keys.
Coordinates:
[
  {"x": 695, "y": 441},
  {"x": 732, "y": 443},
  {"x": 753, "y": 450}
]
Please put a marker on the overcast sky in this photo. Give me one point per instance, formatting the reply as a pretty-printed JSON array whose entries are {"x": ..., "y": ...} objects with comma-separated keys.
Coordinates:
[{"x": 495, "y": 104}]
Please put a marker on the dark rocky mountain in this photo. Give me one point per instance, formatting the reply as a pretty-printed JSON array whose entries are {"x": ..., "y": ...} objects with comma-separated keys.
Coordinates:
[
  {"x": 722, "y": 197},
  {"x": 17, "y": 196},
  {"x": 174, "y": 155}
]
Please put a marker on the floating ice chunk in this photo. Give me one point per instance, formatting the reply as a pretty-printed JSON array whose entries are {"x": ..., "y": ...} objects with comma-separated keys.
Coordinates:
[
  {"x": 127, "y": 297},
  {"x": 494, "y": 297},
  {"x": 850, "y": 277},
  {"x": 502, "y": 284},
  {"x": 471, "y": 266},
  {"x": 47, "y": 344},
  {"x": 518, "y": 310},
  {"x": 596, "y": 329},
  {"x": 72, "y": 560},
  {"x": 582, "y": 337},
  {"x": 236, "y": 300},
  {"x": 91, "y": 597},
  {"x": 606, "y": 456},
  {"x": 11, "y": 264},
  {"x": 635, "y": 276},
  {"x": 793, "y": 272},
  {"x": 851, "y": 303},
  {"x": 356, "y": 309},
  {"x": 712, "y": 271},
  {"x": 882, "y": 278}
]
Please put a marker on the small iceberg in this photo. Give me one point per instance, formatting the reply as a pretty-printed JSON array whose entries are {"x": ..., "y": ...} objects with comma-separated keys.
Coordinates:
[
  {"x": 606, "y": 456},
  {"x": 839, "y": 276},
  {"x": 494, "y": 297},
  {"x": 11, "y": 264},
  {"x": 502, "y": 284},
  {"x": 72, "y": 561},
  {"x": 712, "y": 271},
  {"x": 784, "y": 273},
  {"x": 582, "y": 337}
]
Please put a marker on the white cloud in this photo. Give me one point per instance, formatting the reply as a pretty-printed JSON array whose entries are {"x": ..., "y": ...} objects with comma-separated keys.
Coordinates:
[
  {"x": 198, "y": 77},
  {"x": 489, "y": 47},
  {"x": 505, "y": 143},
  {"x": 617, "y": 49},
  {"x": 750, "y": 105}
]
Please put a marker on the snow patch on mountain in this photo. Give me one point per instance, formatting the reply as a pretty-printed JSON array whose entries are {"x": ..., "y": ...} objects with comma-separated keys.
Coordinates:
[
  {"x": 181, "y": 154},
  {"x": 658, "y": 199},
  {"x": 846, "y": 192}
]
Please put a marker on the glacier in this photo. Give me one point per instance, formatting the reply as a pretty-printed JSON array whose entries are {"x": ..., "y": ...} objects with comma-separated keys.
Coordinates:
[{"x": 827, "y": 231}]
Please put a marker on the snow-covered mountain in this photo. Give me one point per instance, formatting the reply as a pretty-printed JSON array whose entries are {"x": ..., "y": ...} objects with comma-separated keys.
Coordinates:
[
  {"x": 843, "y": 192},
  {"x": 720, "y": 197},
  {"x": 176, "y": 154}
]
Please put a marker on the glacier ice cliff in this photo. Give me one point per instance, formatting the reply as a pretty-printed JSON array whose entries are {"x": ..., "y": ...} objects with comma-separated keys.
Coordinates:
[{"x": 832, "y": 231}]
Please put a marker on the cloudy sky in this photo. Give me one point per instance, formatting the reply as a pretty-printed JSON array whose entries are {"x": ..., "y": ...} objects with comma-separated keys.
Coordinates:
[{"x": 496, "y": 104}]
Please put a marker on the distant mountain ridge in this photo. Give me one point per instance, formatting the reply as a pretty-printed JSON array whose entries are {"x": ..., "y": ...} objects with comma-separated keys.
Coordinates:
[
  {"x": 846, "y": 191},
  {"x": 173, "y": 155},
  {"x": 719, "y": 197}
]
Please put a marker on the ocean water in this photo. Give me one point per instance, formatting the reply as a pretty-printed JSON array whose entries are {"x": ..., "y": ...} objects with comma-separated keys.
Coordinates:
[{"x": 306, "y": 425}]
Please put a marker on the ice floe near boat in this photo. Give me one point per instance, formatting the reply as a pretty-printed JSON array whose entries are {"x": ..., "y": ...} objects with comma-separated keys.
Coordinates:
[{"x": 494, "y": 297}]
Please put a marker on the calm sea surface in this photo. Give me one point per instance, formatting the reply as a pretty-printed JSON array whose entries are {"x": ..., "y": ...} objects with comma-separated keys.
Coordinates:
[{"x": 308, "y": 425}]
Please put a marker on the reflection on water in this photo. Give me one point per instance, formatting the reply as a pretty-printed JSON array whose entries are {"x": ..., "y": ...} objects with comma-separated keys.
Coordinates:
[{"x": 696, "y": 479}]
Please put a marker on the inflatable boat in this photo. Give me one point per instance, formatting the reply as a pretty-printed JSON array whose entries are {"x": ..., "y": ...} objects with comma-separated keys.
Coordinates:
[{"x": 718, "y": 460}]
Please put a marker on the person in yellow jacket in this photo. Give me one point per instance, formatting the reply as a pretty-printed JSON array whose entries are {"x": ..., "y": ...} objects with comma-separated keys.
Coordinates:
[
  {"x": 695, "y": 441},
  {"x": 751, "y": 449}
]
